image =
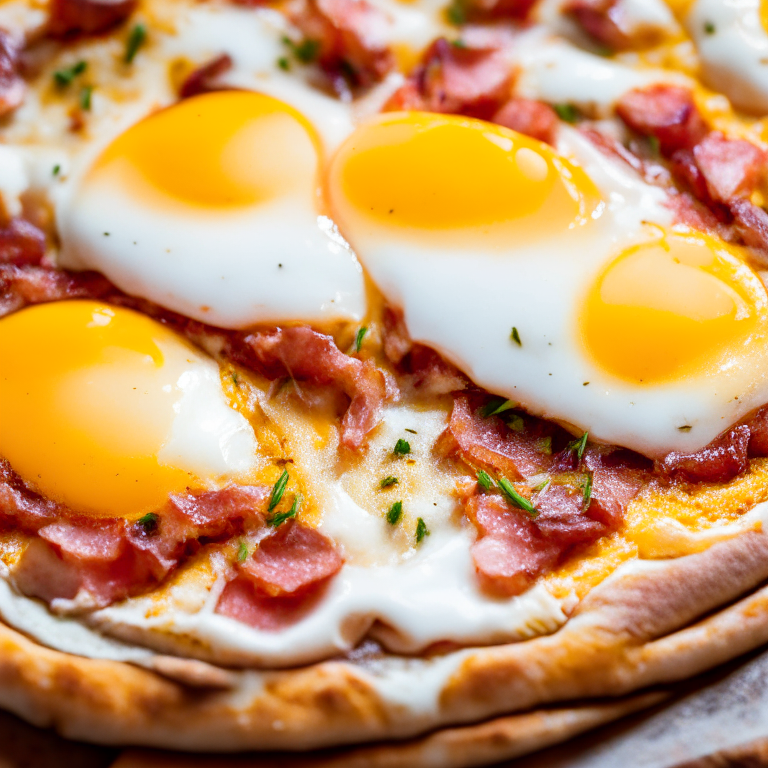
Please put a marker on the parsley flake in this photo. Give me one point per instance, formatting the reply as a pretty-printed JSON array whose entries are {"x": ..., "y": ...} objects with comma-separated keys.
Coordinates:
[
  {"x": 544, "y": 444},
  {"x": 459, "y": 43},
  {"x": 456, "y": 14},
  {"x": 284, "y": 64},
  {"x": 586, "y": 489},
  {"x": 412, "y": 431},
  {"x": 359, "y": 338},
  {"x": 655, "y": 146},
  {"x": 484, "y": 480},
  {"x": 566, "y": 112},
  {"x": 421, "y": 530},
  {"x": 277, "y": 490},
  {"x": 514, "y": 498},
  {"x": 395, "y": 513},
  {"x": 149, "y": 522},
  {"x": 56, "y": 170},
  {"x": 515, "y": 422},
  {"x": 388, "y": 482},
  {"x": 136, "y": 39},
  {"x": 277, "y": 520},
  {"x": 709, "y": 28},
  {"x": 64, "y": 77},
  {"x": 402, "y": 447},
  {"x": 306, "y": 51},
  {"x": 542, "y": 486},
  {"x": 85, "y": 98},
  {"x": 242, "y": 552},
  {"x": 578, "y": 446},
  {"x": 515, "y": 336},
  {"x": 685, "y": 428},
  {"x": 496, "y": 406}
]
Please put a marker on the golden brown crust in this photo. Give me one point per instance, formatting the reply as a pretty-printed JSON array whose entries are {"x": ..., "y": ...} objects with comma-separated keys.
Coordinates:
[{"x": 632, "y": 631}]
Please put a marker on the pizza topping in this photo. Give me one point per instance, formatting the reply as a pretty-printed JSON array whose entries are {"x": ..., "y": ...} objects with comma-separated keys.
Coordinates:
[
  {"x": 21, "y": 243},
  {"x": 601, "y": 20},
  {"x": 12, "y": 85},
  {"x": 533, "y": 118},
  {"x": 203, "y": 79},
  {"x": 348, "y": 35},
  {"x": 307, "y": 355},
  {"x": 90, "y": 17},
  {"x": 136, "y": 39},
  {"x": 395, "y": 513},
  {"x": 495, "y": 9}
]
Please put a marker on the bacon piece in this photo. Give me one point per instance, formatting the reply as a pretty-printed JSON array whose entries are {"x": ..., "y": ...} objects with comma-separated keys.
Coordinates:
[
  {"x": 349, "y": 33},
  {"x": 752, "y": 224},
  {"x": 722, "y": 460},
  {"x": 488, "y": 443},
  {"x": 305, "y": 354},
  {"x": 21, "y": 286},
  {"x": 203, "y": 79},
  {"x": 601, "y": 20},
  {"x": 533, "y": 118},
  {"x": 667, "y": 112},
  {"x": 498, "y": 9},
  {"x": 294, "y": 559},
  {"x": 21, "y": 243},
  {"x": 89, "y": 17},
  {"x": 730, "y": 167},
  {"x": 461, "y": 80},
  {"x": 758, "y": 433},
  {"x": 562, "y": 518},
  {"x": 12, "y": 85}
]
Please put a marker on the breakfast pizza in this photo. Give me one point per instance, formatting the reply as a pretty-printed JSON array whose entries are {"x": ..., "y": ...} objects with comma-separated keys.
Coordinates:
[{"x": 382, "y": 374}]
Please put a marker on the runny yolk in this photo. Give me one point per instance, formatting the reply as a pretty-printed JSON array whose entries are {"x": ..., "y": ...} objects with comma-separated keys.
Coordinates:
[
  {"x": 87, "y": 396},
  {"x": 217, "y": 150},
  {"x": 674, "y": 307},
  {"x": 432, "y": 172}
]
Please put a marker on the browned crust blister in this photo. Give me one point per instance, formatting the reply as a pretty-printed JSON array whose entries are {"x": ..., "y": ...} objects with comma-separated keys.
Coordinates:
[{"x": 645, "y": 627}]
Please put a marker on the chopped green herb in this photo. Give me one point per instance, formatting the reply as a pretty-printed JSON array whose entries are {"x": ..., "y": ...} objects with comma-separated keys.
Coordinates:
[
  {"x": 515, "y": 422},
  {"x": 63, "y": 77},
  {"x": 306, "y": 51},
  {"x": 235, "y": 379},
  {"x": 283, "y": 63},
  {"x": 277, "y": 520},
  {"x": 566, "y": 112},
  {"x": 496, "y": 406},
  {"x": 412, "y": 431},
  {"x": 56, "y": 170},
  {"x": 459, "y": 43},
  {"x": 685, "y": 428},
  {"x": 388, "y": 481},
  {"x": 136, "y": 39},
  {"x": 395, "y": 513},
  {"x": 515, "y": 336},
  {"x": 456, "y": 14},
  {"x": 149, "y": 522},
  {"x": 484, "y": 480},
  {"x": 709, "y": 28},
  {"x": 277, "y": 490},
  {"x": 578, "y": 446},
  {"x": 603, "y": 50},
  {"x": 242, "y": 552},
  {"x": 421, "y": 530},
  {"x": 653, "y": 143},
  {"x": 544, "y": 444},
  {"x": 85, "y": 97},
  {"x": 542, "y": 486},
  {"x": 402, "y": 447},
  {"x": 514, "y": 498},
  {"x": 359, "y": 338},
  {"x": 587, "y": 490}
]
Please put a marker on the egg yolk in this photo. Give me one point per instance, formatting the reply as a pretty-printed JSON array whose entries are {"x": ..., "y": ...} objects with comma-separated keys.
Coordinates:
[
  {"x": 87, "y": 395},
  {"x": 674, "y": 307},
  {"x": 429, "y": 172},
  {"x": 217, "y": 150}
]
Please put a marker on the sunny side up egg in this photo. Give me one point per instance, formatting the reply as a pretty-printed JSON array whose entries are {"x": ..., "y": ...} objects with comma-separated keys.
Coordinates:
[
  {"x": 211, "y": 208},
  {"x": 112, "y": 412},
  {"x": 554, "y": 282}
]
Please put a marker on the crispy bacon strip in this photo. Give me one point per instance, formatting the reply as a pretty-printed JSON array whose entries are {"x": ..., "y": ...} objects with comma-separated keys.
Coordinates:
[
  {"x": 464, "y": 80},
  {"x": 12, "y": 85},
  {"x": 21, "y": 243},
  {"x": 722, "y": 460},
  {"x": 349, "y": 33},
  {"x": 533, "y": 118},
  {"x": 731, "y": 168},
  {"x": 203, "y": 79},
  {"x": 307, "y": 355},
  {"x": 89, "y": 17},
  {"x": 111, "y": 558}
]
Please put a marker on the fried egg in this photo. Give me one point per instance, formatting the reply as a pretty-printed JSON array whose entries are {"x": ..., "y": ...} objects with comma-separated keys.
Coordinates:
[
  {"x": 555, "y": 278},
  {"x": 731, "y": 38},
  {"x": 209, "y": 208},
  {"x": 111, "y": 411}
]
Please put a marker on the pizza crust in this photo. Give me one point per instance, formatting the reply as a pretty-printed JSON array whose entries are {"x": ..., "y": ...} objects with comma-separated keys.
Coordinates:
[{"x": 634, "y": 630}]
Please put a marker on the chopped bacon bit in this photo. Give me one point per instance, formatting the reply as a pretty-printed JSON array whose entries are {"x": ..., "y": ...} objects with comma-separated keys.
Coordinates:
[
  {"x": 111, "y": 558},
  {"x": 12, "y": 85},
  {"x": 307, "y": 355},
  {"x": 730, "y": 167},
  {"x": 667, "y": 112},
  {"x": 452, "y": 79},
  {"x": 722, "y": 460},
  {"x": 498, "y": 9},
  {"x": 752, "y": 224},
  {"x": 203, "y": 79},
  {"x": 601, "y": 20},
  {"x": 488, "y": 443},
  {"x": 89, "y": 17},
  {"x": 533, "y": 118},
  {"x": 350, "y": 36},
  {"x": 562, "y": 518},
  {"x": 21, "y": 243},
  {"x": 29, "y": 284},
  {"x": 294, "y": 559},
  {"x": 758, "y": 438}
]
